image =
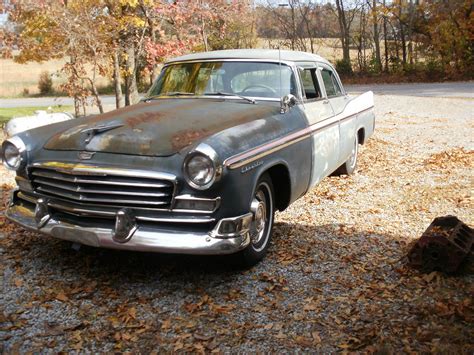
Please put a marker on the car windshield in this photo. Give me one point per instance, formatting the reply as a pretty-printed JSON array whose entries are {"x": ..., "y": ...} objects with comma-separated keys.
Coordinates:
[{"x": 249, "y": 79}]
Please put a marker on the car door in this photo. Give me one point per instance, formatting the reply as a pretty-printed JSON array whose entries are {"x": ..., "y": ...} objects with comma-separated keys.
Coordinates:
[
  {"x": 338, "y": 100},
  {"x": 320, "y": 115}
]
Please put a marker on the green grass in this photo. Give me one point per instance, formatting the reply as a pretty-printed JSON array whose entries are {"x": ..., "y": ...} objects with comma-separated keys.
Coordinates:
[{"x": 8, "y": 113}]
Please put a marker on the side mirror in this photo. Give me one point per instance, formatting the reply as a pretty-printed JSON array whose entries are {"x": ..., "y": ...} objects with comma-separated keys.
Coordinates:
[{"x": 287, "y": 102}]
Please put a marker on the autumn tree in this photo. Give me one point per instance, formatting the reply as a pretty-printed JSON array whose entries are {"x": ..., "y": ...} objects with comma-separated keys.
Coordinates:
[
  {"x": 76, "y": 30},
  {"x": 131, "y": 30},
  {"x": 186, "y": 25},
  {"x": 450, "y": 33},
  {"x": 8, "y": 35}
]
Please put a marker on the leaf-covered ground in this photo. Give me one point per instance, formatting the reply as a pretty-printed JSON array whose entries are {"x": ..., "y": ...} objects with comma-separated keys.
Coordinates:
[{"x": 335, "y": 278}]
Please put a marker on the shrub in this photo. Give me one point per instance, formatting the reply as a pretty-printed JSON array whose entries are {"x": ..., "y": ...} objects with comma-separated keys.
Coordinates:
[
  {"x": 45, "y": 83},
  {"x": 343, "y": 67},
  {"x": 434, "y": 69}
]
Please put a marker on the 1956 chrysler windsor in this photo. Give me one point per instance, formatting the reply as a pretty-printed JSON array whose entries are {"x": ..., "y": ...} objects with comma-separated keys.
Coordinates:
[{"x": 200, "y": 165}]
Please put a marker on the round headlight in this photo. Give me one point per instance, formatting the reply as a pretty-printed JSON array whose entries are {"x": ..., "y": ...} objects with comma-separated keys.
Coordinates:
[
  {"x": 201, "y": 167},
  {"x": 13, "y": 153},
  {"x": 199, "y": 170}
]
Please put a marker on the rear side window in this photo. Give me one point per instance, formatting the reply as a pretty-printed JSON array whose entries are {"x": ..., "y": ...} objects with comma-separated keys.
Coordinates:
[
  {"x": 330, "y": 83},
  {"x": 310, "y": 84}
]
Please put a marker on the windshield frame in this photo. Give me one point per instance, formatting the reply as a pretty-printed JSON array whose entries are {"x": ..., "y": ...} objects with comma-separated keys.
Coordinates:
[{"x": 289, "y": 64}]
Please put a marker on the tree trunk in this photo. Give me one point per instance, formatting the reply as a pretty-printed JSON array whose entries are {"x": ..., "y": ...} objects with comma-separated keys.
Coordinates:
[
  {"x": 343, "y": 27},
  {"x": 131, "y": 89},
  {"x": 410, "y": 30},
  {"x": 204, "y": 35},
  {"x": 402, "y": 34},
  {"x": 152, "y": 29},
  {"x": 404, "y": 45},
  {"x": 96, "y": 95},
  {"x": 117, "y": 85},
  {"x": 76, "y": 106},
  {"x": 385, "y": 40},
  {"x": 203, "y": 30},
  {"x": 378, "y": 60}
]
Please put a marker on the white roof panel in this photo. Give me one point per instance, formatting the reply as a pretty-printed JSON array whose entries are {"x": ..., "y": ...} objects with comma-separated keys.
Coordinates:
[{"x": 270, "y": 54}]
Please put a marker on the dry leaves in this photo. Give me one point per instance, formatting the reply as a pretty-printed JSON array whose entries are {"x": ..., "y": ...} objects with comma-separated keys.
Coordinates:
[{"x": 451, "y": 159}]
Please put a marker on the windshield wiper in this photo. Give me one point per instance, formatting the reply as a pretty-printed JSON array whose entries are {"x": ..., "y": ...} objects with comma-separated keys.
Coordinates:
[
  {"x": 220, "y": 93},
  {"x": 171, "y": 93}
]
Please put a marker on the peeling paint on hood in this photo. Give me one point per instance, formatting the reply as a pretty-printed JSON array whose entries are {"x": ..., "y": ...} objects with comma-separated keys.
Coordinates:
[{"x": 159, "y": 128}]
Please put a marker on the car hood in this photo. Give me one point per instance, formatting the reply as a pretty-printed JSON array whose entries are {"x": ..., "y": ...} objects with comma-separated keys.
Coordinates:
[{"x": 158, "y": 128}]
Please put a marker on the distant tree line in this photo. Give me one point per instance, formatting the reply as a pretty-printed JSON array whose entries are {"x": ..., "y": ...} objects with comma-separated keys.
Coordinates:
[{"x": 400, "y": 36}]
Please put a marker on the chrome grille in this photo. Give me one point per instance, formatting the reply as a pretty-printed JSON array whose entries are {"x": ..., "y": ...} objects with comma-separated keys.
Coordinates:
[{"x": 104, "y": 187}]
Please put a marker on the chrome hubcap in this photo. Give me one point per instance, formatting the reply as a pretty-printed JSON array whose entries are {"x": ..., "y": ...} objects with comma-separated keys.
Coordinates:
[
  {"x": 353, "y": 158},
  {"x": 259, "y": 210}
]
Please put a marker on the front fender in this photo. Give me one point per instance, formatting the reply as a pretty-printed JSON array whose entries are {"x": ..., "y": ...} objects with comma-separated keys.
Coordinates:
[{"x": 238, "y": 184}]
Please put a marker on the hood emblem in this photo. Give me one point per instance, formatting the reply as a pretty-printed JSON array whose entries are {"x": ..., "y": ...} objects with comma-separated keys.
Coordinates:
[
  {"x": 93, "y": 131},
  {"x": 86, "y": 155}
]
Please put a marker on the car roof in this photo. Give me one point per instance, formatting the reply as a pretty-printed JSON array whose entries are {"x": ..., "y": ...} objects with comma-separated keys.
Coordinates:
[{"x": 260, "y": 54}]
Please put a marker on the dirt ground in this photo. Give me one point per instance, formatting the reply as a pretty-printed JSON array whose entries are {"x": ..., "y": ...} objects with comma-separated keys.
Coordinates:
[{"x": 335, "y": 278}]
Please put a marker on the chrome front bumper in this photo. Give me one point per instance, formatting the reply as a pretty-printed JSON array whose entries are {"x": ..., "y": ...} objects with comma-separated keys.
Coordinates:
[{"x": 145, "y": 238}]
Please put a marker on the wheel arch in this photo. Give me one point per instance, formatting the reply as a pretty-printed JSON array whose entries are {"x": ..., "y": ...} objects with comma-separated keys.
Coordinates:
[
  {"x": 361, "y": 135},
  {"x": 280, "y": 175}
]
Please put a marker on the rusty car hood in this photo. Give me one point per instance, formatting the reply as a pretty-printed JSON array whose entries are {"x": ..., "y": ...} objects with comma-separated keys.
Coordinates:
[{"x": 158, "y": 128}]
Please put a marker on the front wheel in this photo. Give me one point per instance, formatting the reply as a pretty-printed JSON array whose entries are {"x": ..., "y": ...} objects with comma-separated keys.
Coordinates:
[
  {"x": 350, "y": 165},
  {"x": 262, "y": 207}
]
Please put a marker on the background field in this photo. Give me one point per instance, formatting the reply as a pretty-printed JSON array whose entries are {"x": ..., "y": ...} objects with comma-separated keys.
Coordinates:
[{"x": 15, "y": 78}]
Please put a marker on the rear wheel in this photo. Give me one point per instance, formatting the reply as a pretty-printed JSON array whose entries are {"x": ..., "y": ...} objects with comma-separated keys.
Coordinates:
[
  {"x": 350, "y": 165},
  {"x": 262, "y": 207}
]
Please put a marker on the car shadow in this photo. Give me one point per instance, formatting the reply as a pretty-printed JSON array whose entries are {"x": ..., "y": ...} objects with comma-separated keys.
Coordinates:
[{"x": 292, "y": 244}]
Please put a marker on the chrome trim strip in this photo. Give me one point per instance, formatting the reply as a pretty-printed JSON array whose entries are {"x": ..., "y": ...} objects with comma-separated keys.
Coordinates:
[
  {"x": 75, "y": 179},
  {"x": 31, "y": 199},
  {"x": 80, "y": 211},
  {"x": 175, "y": 220},
  {"x": 79, "y": 189},
  {"x": 111, "y": 214},
  {"x": 85, "y": 205},
  {"x": 69, "y": 168},
  {"x": 258, "y": 60},
  {"x": 265, "y": 149},
  {"x": 80, "y": 197},
  {"x": 28, "y": 198}
]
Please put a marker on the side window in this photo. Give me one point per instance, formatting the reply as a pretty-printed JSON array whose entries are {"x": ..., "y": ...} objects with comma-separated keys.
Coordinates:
[
  {"x": 310, "y": 84},
  {"x": 330, "y": 83},
  {"x": 336, "y": 85}
]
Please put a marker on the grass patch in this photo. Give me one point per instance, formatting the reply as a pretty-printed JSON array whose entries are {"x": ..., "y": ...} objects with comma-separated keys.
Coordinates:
[{"x": 8, "y": 113}]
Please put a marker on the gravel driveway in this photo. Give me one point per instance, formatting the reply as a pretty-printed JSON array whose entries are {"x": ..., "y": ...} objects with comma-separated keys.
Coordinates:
[{"x": 335, "y": 278}]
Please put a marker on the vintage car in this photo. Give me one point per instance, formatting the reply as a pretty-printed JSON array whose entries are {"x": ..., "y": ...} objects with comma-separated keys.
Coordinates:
[{"x": 199, "y": 166}]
